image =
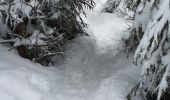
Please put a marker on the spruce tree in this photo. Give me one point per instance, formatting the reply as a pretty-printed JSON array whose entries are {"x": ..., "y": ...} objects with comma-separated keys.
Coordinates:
[
  {"x": 123, "y": 7},
  {"x": 38, "y": 29},
  {"x": 150, "y": 40}
]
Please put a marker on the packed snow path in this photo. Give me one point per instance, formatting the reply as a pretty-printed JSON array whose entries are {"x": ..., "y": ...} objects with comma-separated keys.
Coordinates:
[{"x": 93, "y": 68}]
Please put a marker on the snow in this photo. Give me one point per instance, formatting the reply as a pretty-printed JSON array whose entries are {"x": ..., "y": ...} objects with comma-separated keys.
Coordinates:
[
  {"x": 106, "y": 29},
  {"x": 20, "y": 79},
  {"x": 93, "y": 68}
]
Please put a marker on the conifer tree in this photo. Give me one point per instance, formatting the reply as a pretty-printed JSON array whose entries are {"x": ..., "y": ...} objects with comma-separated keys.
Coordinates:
[
  {"x": 150, "y": 40},
  {"x": 38, "y": 29},
  {"x": 123, "y": 7}
]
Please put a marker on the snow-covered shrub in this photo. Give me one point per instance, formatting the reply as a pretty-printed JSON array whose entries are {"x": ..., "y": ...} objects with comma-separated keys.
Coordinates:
[
  {"x": 122, "y": 7},
  {"x": 38, "y": 29},
  {"x": 151, "y": 30},
  {"x": 111, "y": 6}
]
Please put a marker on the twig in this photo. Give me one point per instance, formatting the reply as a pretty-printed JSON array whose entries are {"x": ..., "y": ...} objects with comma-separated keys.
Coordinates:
[
  {"x": 50, "y": 54},
  {"x": 8, "y": 41}
]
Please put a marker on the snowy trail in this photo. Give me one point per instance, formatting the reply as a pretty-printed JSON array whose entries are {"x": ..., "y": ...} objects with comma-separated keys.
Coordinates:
[
  {"x": 106, "y": 29},
  {"x": 94, "y": 67}
]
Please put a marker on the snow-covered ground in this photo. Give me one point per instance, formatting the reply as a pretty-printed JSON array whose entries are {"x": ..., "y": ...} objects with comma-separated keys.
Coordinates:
[{"x": 93, "y": 68}]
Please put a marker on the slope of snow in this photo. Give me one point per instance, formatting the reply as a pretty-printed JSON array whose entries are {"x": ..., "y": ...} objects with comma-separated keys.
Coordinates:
[
  {"x": 93, "y": 68},
  {"x": 107, "y": 30},
  {"x": 92, "y": 75},
  {"x": 22, "y": 80}
]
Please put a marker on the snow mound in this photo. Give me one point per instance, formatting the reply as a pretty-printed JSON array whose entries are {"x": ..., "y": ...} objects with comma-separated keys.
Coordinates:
[{"x": 20, "y": 79}]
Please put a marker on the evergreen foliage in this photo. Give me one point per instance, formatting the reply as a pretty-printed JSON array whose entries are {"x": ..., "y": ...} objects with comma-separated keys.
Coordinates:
[
  {"x": 38, "y": 29},
  {"x": 151, "y": 32},
  {"x": 123, "y": 7}
]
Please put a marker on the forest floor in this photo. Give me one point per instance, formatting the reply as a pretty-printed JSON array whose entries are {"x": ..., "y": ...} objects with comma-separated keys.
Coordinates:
[{"x": 94, "y": 67}]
